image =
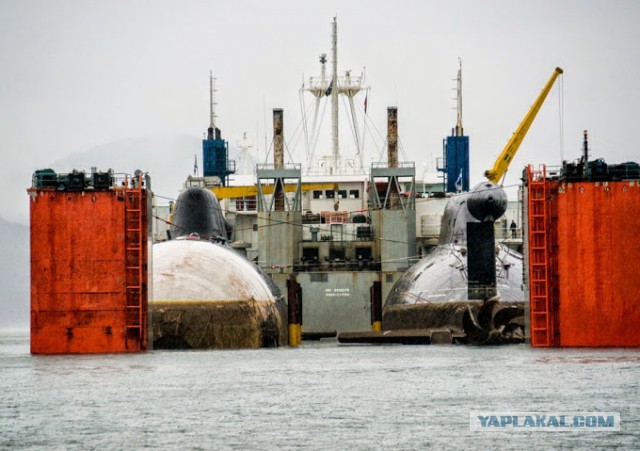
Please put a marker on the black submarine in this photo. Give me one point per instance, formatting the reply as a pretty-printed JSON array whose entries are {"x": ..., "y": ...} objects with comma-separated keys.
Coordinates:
[
  {"x": 469, "y": 284},
  {"x": 205, "y": 294}
]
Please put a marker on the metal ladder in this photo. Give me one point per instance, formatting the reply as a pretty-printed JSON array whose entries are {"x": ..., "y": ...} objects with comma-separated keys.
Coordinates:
[
  {"x": 539, "y": 274},
  {"x": 135, "y": 257}
]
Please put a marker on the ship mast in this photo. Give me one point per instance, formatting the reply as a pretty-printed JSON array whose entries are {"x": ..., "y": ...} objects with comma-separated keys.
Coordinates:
[
  {"x": 335, "y": 162},
  {"x": 459, "y": 129},
  {"x": 327, "y": 90},
  {"x": 212, "y": 102}
]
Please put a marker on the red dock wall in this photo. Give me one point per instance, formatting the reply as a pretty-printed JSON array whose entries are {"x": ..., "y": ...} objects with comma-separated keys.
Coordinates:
[
  {"x": 594, "y": 264},
  {"x": 598, "y": 232},
  {"x": 81, "y": 292}
]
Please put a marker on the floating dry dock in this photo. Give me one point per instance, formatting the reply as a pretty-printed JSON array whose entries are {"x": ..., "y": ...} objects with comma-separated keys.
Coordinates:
[
  {"x": 584, "y": 276},
  {"x": 89, "y": 254}
]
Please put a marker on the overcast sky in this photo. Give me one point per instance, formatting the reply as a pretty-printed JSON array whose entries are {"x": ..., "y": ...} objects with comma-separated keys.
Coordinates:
[{"x": 81, "y": 74}]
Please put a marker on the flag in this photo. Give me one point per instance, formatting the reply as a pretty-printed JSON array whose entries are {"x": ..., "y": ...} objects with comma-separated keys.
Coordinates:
[
  {"x": 329, "y": 89},
  {"x": 366, "y": 98},
  {"x": 459, "y": 181},
  {"x": 195, "y": 165}
]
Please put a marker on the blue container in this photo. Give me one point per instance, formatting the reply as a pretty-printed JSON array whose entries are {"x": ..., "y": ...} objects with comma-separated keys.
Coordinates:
[{"x": 215, "y": 158}]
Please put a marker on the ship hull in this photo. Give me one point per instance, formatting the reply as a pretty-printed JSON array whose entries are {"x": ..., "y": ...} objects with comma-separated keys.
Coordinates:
[{"x": 207, "y": 296}]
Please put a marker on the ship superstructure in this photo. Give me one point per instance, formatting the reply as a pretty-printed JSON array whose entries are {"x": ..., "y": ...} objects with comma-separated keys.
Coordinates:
[{"x": 335, "y": 257}]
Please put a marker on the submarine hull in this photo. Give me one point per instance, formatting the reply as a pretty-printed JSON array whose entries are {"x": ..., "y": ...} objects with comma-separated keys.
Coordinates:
[
  {"x": 442, "y": 289},
  {"x": 207, "y": 296},
  {"x": 216, "y": 325},
  {"x": 441, "y": 277}
]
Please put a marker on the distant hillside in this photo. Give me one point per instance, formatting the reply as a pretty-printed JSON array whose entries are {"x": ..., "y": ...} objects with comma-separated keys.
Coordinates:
[
  {"x": 14, "y": 275},
  {"x": 168, "y": 160}
]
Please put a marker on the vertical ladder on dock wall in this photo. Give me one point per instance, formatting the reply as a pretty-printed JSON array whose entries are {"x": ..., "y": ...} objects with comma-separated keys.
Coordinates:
[
  {"x": 539, "y": 246},
  {"x": 135, "y": 261}
]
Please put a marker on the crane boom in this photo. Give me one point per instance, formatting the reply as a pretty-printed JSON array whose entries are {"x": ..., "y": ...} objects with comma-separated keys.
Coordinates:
[{"x": 502, "y": 163}]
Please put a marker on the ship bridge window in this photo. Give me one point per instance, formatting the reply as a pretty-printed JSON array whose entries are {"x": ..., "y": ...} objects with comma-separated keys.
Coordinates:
[
  {"x": 363, "y": 253},
  {"x": 330, "y": 194},
  {"x": 354, "y": 194},
  {"x": 336, "y": 254},
  {"x": 342, "y": 194},
  {"x": 310, "y": 254},
  {"x": 317, "y": 194}
]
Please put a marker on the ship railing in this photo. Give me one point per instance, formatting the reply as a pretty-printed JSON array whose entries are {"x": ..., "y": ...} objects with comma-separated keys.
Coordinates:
[
  {"x": 272, "y": 167},
  {"x": 343, "y": 170},
  {"x": 345, "y": 83},
  {"x": 80, "y": 180},
  {"x": 402, "y": 169},
  {"x": 385, "y": 165}
]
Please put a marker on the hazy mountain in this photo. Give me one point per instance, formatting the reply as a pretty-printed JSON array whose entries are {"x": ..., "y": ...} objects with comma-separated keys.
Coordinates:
[
  {"x": 167, "y": 159},
  {"x": 14, "y": 275}
]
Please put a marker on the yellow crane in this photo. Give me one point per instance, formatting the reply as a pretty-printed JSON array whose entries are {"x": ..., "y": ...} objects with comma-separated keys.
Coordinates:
[{"x": 502, "y": 163}]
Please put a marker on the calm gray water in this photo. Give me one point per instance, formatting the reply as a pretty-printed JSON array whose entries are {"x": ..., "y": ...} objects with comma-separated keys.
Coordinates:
[{"x": 319, "y": 396}]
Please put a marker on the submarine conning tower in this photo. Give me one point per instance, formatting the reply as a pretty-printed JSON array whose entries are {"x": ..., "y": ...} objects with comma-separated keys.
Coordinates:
[
  {"x": 197, "y": 211},
  {"x": 485, "y": 203},
  {"x": 468, "y": 220}
]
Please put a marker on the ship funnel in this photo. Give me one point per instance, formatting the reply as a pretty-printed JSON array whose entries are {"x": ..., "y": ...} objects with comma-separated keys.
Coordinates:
[
  {"x": 392, "y": 136},
  {"x": 392, "y": 153},
  {"x": 278, "y": 138},
  {"x": 278, "y": 155}
]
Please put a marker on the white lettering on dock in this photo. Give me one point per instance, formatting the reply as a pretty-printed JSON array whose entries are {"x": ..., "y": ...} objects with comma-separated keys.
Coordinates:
[{"x": 337, "y": 292}]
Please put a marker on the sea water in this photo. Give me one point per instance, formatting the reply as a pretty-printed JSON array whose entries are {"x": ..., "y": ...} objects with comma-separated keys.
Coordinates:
[{"x": 321, "y": 395}]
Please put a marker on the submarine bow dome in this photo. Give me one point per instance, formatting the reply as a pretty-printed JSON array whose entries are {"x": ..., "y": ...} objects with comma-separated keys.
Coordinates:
[
  {"x": 205, "y": 296},
  {"x": 192, "y": 270}
]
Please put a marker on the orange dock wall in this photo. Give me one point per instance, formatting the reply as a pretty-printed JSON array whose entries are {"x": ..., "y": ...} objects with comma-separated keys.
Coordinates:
[
  {"x": 79, "y": 262},
  {"x": 598, "y": 263}
]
